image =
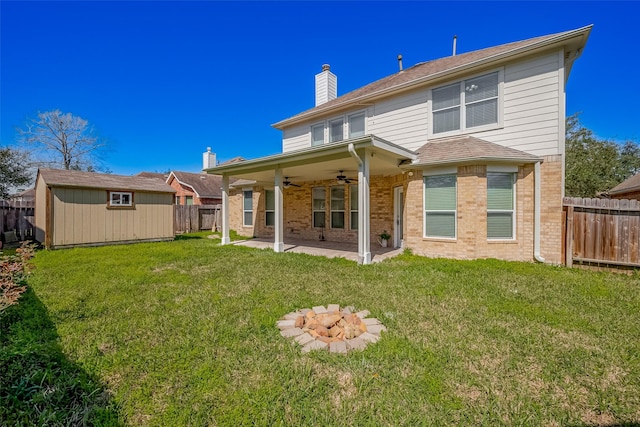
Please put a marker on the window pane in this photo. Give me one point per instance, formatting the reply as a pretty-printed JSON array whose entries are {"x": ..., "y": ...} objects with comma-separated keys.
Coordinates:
[
  {"x": 354, "y": 220},
  {"x": 336, "y": 130},
  {"x": 356, "y": 125},
  {"x": 270, "y": 200},
  {"x": 270, "y": 218},
  {"x": 248, "y": 200},
  {"x": 317, "y": 135},
  {"x": 126, "y": 199},
  {"x": 353, "y": 201},
  {"x": 445, "y": 97},
  {"x": 337, "y": 198},
  {"x": 446, "y": 120},
  {"x": 318, "y": 219},
  {"x": 115, "y": 198},
  {"x": 482, "y": 113},
  {"x": 189, "y": 200},
  {"x": 337, "y": 219},
  {"x": 481, "y": 88},
  {"x": 248, "y": 218},
  {"x": 499, "y": 225},
  {"x": 318, "y": 198},
  {"x": 440, "y": 192},
  {"x": 500, "y": 191},
  {"x": 440, "y": 224}
]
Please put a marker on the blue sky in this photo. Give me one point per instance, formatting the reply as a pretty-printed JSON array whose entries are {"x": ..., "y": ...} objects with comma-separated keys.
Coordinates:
[{"x": 164, "y": 80}]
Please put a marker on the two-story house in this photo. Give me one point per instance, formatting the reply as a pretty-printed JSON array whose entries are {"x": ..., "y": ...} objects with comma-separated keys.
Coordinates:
[{"x": 459, "y": 157}]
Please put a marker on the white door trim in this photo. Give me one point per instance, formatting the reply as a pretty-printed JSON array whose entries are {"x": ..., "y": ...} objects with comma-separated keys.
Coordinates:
[{"x": 398, "y": 216}]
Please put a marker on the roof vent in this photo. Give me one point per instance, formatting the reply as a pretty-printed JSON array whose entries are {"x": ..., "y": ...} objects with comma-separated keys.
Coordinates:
[{"x": 400, "y": 62}]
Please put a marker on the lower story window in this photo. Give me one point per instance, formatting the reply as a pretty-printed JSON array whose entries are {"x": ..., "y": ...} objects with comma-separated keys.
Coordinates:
[
  {"x": 500, "y": 205},
  {"x": 188, "y": 200},
  {"x": 440, "y": 200},
  {"x": 337, "y": 207},
  {"x": 247, "y": 208},
  {"x": 318, "y": 195},
  {"x": 353, "y": 206},
  {"x": 270, "y": 208}
]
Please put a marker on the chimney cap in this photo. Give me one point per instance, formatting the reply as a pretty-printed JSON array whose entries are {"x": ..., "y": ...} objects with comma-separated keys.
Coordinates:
[{"x": 326, "y": 67}]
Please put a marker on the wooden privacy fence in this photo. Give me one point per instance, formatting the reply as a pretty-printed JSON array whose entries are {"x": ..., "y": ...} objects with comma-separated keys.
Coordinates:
[
  {"x": 18, "y": 217},
  {"x": 602, "y": 231},
  {"x": 189, "y": 218}
]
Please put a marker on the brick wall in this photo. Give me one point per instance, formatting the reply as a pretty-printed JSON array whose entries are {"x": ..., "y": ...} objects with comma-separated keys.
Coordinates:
[{"x": 183, "y": 191}]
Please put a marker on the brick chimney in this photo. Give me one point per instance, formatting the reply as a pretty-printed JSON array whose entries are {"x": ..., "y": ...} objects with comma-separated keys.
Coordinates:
[
  {"x": 208, "y": 159},
  {"x": 326, "y": 85}
]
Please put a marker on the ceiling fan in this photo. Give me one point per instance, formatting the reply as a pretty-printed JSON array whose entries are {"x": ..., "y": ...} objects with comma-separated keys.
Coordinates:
[
  {"x": 342, "y": 179},
  {"x": 286, "y": 183}
]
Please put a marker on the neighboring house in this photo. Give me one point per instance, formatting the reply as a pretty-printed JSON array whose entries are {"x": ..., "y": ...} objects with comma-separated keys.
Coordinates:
[
  {"x": 627, "y": 189},
  {"x": 458, "y": 157},
  {"x": 23, "y": 197},
  {"x": 76, "y": 208},
  {"x": 196, "y": 188}
]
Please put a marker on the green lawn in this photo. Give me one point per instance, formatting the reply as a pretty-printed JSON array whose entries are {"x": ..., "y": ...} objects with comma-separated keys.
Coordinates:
[{"x": 183, "y": 333}]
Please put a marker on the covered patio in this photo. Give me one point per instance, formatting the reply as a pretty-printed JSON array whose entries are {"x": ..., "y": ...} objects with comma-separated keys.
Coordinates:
[
  {"x": 347, "y": 251},
  {"x": 361, "y": 158}
]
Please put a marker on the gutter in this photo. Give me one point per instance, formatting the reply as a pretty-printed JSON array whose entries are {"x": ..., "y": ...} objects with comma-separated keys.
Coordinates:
[{"x": 536, "y": 214}]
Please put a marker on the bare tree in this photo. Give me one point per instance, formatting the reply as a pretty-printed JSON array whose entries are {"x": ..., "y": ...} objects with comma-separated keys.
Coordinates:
[
  {"x": 62, "y": 140},
  {"x": 14, "y": 170}
]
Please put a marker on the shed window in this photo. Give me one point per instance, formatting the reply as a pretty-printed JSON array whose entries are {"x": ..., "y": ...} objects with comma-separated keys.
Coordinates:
[{"x": 120, "y": 198}]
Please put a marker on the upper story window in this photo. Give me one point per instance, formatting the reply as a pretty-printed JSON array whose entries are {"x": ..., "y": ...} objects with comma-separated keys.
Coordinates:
[
  {"x": 336, "y": 130},
  {"x": 317, "y": 135},
  {"x": 120, "y": 198},
  {"x": 356, "y": 125},
  {"x": 339, "y": 128},
  {"x": 468, "y": 104}
]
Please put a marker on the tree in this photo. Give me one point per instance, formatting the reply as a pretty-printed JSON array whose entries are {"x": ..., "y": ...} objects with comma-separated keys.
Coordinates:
[
  {"x": 62, "y": 140},
  {"x": 14, "y": 170},
  {"x": 595, "y": 165}
]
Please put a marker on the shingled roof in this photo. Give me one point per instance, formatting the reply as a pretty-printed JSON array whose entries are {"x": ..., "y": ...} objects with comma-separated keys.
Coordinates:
[
  {"x": 68, "y": 178},
  {"x": 204, "y": 185},
  {"x": 628, "y": 185},
  {"x": 460, "y": 149},
  {"x": 427, "y": 71}
]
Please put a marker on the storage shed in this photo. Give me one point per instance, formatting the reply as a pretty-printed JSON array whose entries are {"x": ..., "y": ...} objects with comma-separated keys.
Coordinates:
[{"x": 76, "y": 208}]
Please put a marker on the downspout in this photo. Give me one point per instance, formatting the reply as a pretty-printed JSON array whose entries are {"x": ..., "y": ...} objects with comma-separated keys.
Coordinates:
[
  {"x": 536, "y": 214},
  {"x": 353, "y": 153}
]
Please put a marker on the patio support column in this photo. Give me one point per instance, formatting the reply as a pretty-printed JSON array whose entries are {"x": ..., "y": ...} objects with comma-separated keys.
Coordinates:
[
  {"x": 364, "y": 209},
  {"x": 225, "y": 210},
  {"x": 278, "y": 244}
]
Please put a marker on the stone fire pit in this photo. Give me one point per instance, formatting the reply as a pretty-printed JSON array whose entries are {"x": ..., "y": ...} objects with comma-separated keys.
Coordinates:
[{"x": 331, "y": 328}]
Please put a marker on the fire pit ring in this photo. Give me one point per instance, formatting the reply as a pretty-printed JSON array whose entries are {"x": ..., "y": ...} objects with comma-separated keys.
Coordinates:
[{"x": 331, "y": 328}]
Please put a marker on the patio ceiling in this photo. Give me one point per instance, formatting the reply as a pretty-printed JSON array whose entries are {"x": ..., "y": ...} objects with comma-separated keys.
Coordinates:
[{"x": 321, "y": 163}]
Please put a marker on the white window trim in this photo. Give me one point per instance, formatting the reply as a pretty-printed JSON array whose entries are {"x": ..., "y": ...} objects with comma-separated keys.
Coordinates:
[
  {"x": 505, "y": 170},
  {"x": 119, "y": 203},
  {"x": 463, "y": 114},
  {"x": 346, "y": 127},
  {"x": 424, "y": 205},
  {"x": 244, "y": 211},
  {"x": 331, "y": 210}
]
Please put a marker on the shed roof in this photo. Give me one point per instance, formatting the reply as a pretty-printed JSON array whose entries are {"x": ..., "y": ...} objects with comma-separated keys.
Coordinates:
[
  {"x": 425, "y": 72},
  {"x": 157, "y": 175},
  {"x": 465, "y": 148},
  {"x": 626, "y": 186},
  {"x": 69, "y": 178}
]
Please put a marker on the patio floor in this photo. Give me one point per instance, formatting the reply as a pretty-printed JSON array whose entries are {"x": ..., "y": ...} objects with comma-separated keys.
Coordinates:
[{"x": 327, "y": 249}]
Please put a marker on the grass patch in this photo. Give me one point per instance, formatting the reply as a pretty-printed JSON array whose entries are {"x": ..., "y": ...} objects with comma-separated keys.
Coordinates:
[{"x": 183, "y": 333}]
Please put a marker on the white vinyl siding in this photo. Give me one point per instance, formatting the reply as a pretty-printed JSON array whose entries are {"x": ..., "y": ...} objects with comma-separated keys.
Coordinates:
[
  {"x": 440, "y": 202},
  {"x": 247, "y": 208},
  {"x": 353, "y": 206},
  {"x": 269, "y": 208},
  {"x": 500, "y": 206},
  {"x": 337, "y": 207},
  {"x": 318, "y": 195}
]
